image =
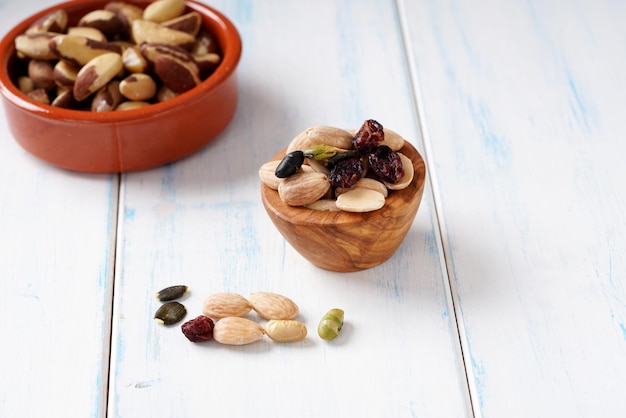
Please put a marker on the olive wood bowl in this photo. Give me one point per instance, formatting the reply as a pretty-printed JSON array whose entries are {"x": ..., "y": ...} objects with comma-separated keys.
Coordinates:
[{"x": 345, "y": 241}]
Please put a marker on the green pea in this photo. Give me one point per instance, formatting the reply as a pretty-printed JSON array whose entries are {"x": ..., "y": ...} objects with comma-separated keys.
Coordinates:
[{"x": 331, "y": 324}]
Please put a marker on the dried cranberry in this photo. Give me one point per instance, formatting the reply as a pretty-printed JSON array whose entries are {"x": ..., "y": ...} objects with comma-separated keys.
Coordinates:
[
  {"x": 386, "y": 164},
  {"x": 368, "y": 137},
  {"x": 198, "y": 329},
  {"x": 346, "y": 172}
]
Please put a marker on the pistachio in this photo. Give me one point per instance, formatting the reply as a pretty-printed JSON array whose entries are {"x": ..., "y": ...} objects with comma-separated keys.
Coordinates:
[
  {"x": 330, "y": 324},
  {"x": 225, "y": 304},
  {"x": 360, "y": 200},
  {"x": 237, "y": 331},
  {"x": 320, "y": 152},
  {"x": 171, "y": 293},
  {"x": 273, "y": 306},
  {"x": 170, "y": 313},
  {"x": 409, "y": 172},
  {"x": 285, "y": 331},
  {"x": 303, "y": 188}
]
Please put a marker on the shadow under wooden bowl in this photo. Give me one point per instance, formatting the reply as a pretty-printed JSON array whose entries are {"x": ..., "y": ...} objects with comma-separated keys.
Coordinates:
[{"x": 345, "y": 241}]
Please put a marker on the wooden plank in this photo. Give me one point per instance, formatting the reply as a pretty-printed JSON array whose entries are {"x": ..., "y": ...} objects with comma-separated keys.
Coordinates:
[
  {"x": 56, "y": 270},
  {"x": 523, "y": 106},
  {"x": 200, "y": 222}
]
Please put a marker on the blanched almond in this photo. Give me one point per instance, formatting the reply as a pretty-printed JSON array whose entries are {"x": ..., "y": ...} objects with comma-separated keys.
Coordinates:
[
  {"x": 407, "y": 165},
  {"x": 365, "y": 183},
  {"x": 360, "y": 200}
]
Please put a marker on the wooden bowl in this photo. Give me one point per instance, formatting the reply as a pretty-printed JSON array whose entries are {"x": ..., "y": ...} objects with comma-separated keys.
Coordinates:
[
  {"x": 344, "y": 241},
  {"x": 129, "y": 140}
]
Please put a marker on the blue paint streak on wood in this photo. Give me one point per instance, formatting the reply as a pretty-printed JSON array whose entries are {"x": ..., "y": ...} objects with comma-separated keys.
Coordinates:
[{"x": 479, "y": 373}]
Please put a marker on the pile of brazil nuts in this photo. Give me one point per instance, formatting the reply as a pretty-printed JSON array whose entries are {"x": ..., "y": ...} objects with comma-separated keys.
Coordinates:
[
  {"x": 333, "y": 169},
  {"x": 224, "y": 320},
  {"x": 117, "y": 58}
]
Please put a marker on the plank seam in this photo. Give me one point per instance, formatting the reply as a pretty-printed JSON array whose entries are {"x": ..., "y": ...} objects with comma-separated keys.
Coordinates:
[{"x": 441, "y": 234}]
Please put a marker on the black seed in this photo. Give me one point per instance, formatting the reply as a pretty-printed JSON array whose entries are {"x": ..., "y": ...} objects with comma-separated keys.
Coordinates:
[
  {"x": 171, "y": 293},
  {"x": 290, "y": 164}
]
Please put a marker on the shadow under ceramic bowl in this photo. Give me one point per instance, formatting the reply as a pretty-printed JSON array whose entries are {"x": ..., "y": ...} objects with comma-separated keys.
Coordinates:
[
  {"x": 120, "y": 141},
  {"x": 345, "y": 241}
]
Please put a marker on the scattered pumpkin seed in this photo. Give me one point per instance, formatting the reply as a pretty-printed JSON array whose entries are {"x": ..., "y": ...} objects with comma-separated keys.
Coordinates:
[
  {"x": 170, "y": 313},
  {"x": 171, "y": 293}
]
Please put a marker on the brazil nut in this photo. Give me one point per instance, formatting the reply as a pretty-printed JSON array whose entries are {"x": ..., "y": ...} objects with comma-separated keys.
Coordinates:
[
  {"x": 138, "y": 87},
  {"x": 163, "y": 10},
  {"x": 96, "y": 74}
]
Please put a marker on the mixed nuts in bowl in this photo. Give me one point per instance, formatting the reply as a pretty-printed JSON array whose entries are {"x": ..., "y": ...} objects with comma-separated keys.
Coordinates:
[
  {"x": 115, "y": 86},
  {"x": 344, "y": 199}
]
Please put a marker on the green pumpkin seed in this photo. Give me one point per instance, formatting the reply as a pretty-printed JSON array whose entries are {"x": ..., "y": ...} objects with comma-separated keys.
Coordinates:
[
  {"x": 331, "y": 324},
  {"x": 170, "y": 313},
  {"x": 171, "y": 293}
]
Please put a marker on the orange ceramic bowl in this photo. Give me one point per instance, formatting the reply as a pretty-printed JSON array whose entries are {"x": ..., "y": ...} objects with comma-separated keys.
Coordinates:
[{"x": 121, "y": 141}]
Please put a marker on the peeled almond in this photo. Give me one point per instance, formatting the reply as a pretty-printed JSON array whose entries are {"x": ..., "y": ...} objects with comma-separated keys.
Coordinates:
[{"x": 360, "y": 200}]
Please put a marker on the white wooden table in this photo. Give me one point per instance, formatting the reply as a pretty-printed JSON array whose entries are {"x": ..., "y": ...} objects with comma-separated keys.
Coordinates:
[{"x": 506, "y": 299}]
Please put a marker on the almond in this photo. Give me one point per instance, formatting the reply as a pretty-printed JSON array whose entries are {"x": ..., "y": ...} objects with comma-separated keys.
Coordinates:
[
  {"x": 303, "y": 188},
  {"x": 273, "y": 306},
  {"x": 225, "y": 304},
  {"x": 318, "y": 135},
  {"x": 237, "y": 331}
]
